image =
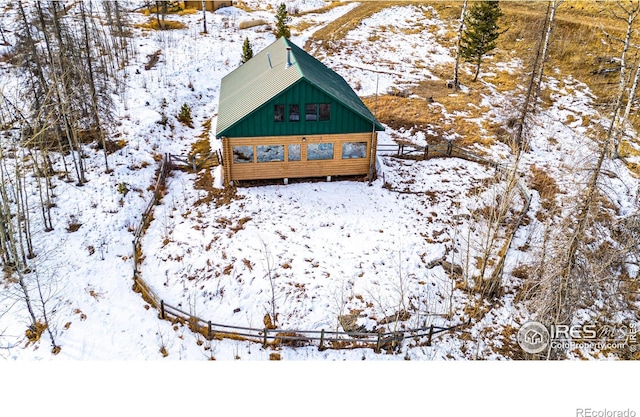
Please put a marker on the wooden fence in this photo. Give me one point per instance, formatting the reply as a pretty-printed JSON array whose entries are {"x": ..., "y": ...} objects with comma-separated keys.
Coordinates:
[
  {"x": 440, "y": 149},
  {"x": 196, "y": 162},
  {"x": 147, "y": 214},
  {"x": 324, "y": 339}
]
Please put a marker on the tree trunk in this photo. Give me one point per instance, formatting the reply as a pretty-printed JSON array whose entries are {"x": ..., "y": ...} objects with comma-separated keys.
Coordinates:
[
  {"x": 475, "y": 76},
  {"x": 460, "y": 31},
  {"x": 534, "y": 83},
  {"x": 67, "y": 86},
  {"x": 160, "y": 24},
  {"x": 551, "y": 13},
  {"x": 632, "y": 14},
  {"x": 630, "y": 100},
  {"x": 204, "y": 17},
  {"x": 92, "y": 86},
  {"x": 164, "y": 13}
]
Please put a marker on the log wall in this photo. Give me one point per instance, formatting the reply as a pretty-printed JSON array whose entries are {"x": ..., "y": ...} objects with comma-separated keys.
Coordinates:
[{"x": 298, "y": 169}]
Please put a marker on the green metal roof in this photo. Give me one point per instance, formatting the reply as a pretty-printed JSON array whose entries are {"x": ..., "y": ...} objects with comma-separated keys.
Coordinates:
[{"x": 267, "y": 74}]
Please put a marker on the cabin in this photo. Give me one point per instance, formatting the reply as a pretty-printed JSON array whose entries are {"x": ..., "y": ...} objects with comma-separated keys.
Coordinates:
[
  {"x": 283, "y": 114},
  {"x": 209, "y": 5}
]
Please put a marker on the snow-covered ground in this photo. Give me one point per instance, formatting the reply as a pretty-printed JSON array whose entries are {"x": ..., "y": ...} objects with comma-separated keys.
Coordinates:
[
  {"x": 334, "y": 247},
  {"x": 395, "y": 47}
]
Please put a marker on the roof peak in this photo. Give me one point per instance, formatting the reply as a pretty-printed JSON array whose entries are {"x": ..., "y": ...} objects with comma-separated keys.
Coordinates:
[{"x": 270, "y": 72}]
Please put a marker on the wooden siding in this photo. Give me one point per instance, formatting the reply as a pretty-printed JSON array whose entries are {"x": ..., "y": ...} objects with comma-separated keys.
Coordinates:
[
  {"x": 261, "y": 122},
  {"x": 298, "y": 169}
]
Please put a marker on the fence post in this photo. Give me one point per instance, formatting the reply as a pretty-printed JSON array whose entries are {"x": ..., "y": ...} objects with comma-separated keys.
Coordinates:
[
  {"x": 430, "y": 335},
  {"x": 378, "y": 342},
  {"x": 209, "y": 330},
  {"x": 162, "y": 309},
  {"x": 264, "y": 340},
  {"x": 135, "y": 258},
  {"x": 449, "y": 147},
  {"x": 321, "y": 347},
  {"x": 426, "y": 151}
]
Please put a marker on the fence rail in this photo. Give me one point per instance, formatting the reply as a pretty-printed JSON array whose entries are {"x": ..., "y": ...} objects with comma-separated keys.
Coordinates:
[
  {"x": 195, "y": 162},
  {"x": 324, "y": 339},
  {"x": 158, "y": 192}
]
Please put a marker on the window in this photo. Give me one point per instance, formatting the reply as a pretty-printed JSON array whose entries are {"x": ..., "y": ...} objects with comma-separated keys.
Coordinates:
[
  {"x": 325, "y": 112},
  {"x": 351, "y": 150},
  {"x": 319, "y": 151},
  {"x": 294, "y": 153},
  {"x": 278, "y": 113},
  {"x": 294, "y": 112},
  {"x": 242, "y": 154},
  {"x": 311, "y": 112},
  {"x": 270, "y": 153}
]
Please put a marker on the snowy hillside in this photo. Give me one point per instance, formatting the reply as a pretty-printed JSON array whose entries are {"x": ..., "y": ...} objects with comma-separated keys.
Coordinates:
[{"x": 366, "y": 250}]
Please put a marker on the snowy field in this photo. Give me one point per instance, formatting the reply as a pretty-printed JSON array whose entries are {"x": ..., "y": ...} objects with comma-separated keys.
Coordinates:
[{"x": 334, "y": 247}]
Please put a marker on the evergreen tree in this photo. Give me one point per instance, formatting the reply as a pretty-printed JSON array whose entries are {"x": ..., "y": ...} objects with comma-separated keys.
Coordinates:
[
  {"x": 282, "y": 18},
  {"x": 247, "y": 51},
  {"x": 481, "y": 32}
]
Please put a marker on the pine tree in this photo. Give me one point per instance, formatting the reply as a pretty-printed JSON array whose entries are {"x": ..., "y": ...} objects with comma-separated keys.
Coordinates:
[
  {"x": 247, "y": 51},
  {"x": 481, "y": 33},
  {"x": 185, "y": 115},
  {"x": 282, "y": 18}
]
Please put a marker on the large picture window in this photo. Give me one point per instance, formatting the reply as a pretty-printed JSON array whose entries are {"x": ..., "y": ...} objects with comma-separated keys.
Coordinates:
[
  {"x": 242, "y": 154},
  {"x": 270, "y": 153},
  {"x": 325, "y": 112},
  {"x": 319, "y": 151},
  {"x": 278, "y": 113},
  {"x": 294, "y": 112},
  {"x": 311, "y": 112},
  {"x": 294, "y": 152},
  {"x": 351, "y": 150}
]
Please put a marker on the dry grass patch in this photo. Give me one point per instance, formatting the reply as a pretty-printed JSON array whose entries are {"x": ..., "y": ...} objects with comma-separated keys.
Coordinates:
[
  {"x": 504, "y": 81},
  {"x": 302, "y": 26},
  {"x": 153, "y": 24},
  {"x": 546, "y": 186},
  {"x": 579, "y": 45},
  {"x": 338, "y": 28},
  {"x": 627, "y": 150},
  {"x": 205, "y": 181},
  {"x": 403, "y": 113},
  {"x": 34, "y": 332},
  {"x": 406, "y": 113},
  {"x": 242, "y": 6},
  {"x": 579, "y": 48},
  {"x": 187, "y": 11}
]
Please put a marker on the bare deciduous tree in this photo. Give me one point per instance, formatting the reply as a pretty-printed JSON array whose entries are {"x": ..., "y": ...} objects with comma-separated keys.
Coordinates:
[{"x": 458, "y": 46}]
